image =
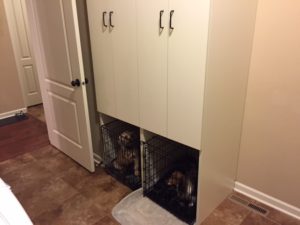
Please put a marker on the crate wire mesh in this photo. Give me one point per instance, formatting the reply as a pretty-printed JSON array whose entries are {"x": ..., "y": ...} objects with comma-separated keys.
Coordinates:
[
  {"x": 171, "y": 176},
  {"x": 121, "y": 156}
]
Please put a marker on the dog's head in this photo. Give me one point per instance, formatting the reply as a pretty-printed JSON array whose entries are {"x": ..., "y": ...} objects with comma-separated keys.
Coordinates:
[{"x": 127, "y": 139}]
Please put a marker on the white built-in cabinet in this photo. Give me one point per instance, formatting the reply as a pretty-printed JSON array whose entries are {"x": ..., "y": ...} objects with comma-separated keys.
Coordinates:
[
  {"x": 153, "y": 64},
  {"x": 187, "y": 47},
  {"x": 178, "y": 68},
  {"x": 172, "y": 40},
  {"x": 113, "y": 35},
  {"x": 149, "y": 63},
  {"x": 101, "y": 38}
]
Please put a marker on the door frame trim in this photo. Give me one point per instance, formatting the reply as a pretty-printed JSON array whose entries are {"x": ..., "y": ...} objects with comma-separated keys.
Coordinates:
[
  {"x": 40, "y": 61},
  {"x": 82, "y": 76},
  {"x": 11, "y": 21}
]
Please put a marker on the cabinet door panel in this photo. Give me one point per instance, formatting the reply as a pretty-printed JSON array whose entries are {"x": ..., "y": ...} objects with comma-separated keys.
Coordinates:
[
  {"x": 186, "y": 70},
  {"x": 101, "y": 43},
  {"x": 152, "y": 64},
  {"x": 124, "y": 51}
]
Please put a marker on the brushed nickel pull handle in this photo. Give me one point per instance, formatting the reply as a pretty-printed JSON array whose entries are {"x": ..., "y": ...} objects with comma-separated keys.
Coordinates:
[
  {"x": 103, "y": 19},
  {"x": 160, "y": 18},
  {"x": 110, "y": 20},
  {"x": 171, "y": 20}
]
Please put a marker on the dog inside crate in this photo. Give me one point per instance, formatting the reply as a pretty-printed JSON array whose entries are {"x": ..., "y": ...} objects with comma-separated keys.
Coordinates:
[
  {"x": 183, "y": 179},
  {"x": 127, "y": 154},
  {"x": 171, "y": 176},
  {"x": 121, "y": 156}
]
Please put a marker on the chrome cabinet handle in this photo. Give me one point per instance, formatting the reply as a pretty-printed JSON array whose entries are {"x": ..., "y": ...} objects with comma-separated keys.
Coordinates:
[
  {"x": 171, "y": 20},
  {"x": 160, "y": 18},
  {"x": 103, "y": 19},
  {"x": 110, "y": 20}
]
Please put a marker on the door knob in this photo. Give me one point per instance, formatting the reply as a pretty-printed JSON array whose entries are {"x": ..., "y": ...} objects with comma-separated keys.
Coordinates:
[{"x": 75, "y": 83}]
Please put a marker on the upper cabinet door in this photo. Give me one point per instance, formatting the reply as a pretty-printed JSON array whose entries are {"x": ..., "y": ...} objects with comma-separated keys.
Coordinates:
[
  {"x": 188, "y": 31},
  {"x": 122, "y": 21},
  {"x": 152, "y": 28},
  {"x": 101, "y": 43}
]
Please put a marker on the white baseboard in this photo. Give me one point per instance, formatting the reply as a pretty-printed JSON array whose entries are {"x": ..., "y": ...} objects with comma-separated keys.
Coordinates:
[
  {"x": 268, "y": 200},
  {"x": 97, "y": 158},
  {"x": 12, "y": 113}
]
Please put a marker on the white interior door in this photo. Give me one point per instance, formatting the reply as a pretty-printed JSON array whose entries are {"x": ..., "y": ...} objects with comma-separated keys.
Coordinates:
[
  {"x": 186, "y": 69},
  {"x": 101, "y": 43},
  {"x": 17, "y": 17},
  {"x": 123, "y": 32},
  {"x": 152, "y": 27},
  {"x": 57, "y": 46}
]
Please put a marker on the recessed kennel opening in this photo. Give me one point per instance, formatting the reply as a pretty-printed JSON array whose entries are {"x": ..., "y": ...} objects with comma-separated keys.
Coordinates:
[
  {"x": 121, "y": 156},
  {"x": 171, "y": 176}
]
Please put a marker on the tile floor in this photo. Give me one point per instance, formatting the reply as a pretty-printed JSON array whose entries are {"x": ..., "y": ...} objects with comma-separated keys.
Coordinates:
[
  {"x": 54, "y": 189},
  {"x": 232, "y": 213},
  {"x": 21, "y": 137},
  {"x": 37, "y": 112}
]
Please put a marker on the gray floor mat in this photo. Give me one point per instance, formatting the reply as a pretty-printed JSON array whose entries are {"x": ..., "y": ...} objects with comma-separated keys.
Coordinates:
[{"x": 135, "y": 209}]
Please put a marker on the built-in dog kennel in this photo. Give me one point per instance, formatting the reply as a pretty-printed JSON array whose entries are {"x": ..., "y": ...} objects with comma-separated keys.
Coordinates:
[
  {"x": 121, "y": 156},
  {"x": 171, "y": 176}
]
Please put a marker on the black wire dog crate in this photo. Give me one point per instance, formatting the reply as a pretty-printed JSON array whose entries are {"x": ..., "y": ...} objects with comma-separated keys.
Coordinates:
[
  {"x": 171, "y": 176},
  {"x": 121, "y": 156}
]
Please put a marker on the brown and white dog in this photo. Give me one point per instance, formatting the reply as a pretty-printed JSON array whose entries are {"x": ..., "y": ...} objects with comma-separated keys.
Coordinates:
[{"x": 128, "y": 153}]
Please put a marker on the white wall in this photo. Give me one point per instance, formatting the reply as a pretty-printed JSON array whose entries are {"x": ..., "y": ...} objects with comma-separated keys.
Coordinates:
[{"x": 270, "y": 148}]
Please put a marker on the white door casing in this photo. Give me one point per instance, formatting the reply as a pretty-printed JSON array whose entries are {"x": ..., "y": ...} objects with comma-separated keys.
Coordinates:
[
  {"x": 21, "y": 40},
  {"x": 55, "y": 33}
]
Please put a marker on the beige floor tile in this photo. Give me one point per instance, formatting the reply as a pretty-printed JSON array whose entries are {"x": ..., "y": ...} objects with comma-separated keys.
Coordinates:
[
  {"x": 15, "y": 163},
  {"x": 76, "y": 211},
  {"x": 278, "y": 216},
  {"x": 26, "y": 177},
  {"x": 107, "y": 220},
  {"x": 256, "y": 219},
  {"x": 37, "y": 111},
  {"x": 228, "y": 213},
  {"x": 45, "y": 196}
]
